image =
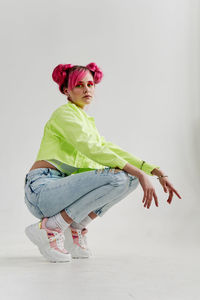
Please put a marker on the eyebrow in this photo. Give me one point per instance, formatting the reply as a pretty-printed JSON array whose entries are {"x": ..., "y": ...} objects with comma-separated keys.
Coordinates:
[{"x": 88, "y": 81}]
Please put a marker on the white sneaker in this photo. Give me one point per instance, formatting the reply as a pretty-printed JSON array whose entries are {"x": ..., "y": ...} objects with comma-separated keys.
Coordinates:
[
  {"x": 76, "y": 242},
  {"x": 49, "y": 241},
  {"x": 84, "y": 231}
]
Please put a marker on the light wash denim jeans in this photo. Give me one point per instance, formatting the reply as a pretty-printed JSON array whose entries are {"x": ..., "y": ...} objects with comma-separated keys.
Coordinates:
[{"x": 48, "y": 191}]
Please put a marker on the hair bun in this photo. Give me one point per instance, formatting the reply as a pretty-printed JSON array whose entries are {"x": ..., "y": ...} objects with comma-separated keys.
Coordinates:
[
  {"x": 98, "y": 74},
  {"x": 59, "y": 73}
]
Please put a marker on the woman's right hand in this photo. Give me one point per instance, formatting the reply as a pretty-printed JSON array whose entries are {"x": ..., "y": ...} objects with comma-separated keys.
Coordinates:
[{"x": 149, "y": 191}]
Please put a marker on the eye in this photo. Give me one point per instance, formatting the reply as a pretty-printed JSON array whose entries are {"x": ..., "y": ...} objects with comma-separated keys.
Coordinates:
[{"x": 80, "y": 84}]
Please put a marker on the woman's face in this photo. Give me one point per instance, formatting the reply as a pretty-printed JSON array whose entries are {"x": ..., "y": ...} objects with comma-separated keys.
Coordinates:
[{"x": 84, "y": 87}]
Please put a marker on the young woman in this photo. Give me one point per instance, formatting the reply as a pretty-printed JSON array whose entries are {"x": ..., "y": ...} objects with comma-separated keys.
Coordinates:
[{"x": 77, "y": 174}]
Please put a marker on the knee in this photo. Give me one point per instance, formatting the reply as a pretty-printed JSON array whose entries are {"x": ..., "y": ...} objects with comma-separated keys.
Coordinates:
[
  {"x": 126, "y": 180},
  {"x": 116, "y": 170},
  {"x": 122, "y": 178},
  {"x": 134, "y": 182}
]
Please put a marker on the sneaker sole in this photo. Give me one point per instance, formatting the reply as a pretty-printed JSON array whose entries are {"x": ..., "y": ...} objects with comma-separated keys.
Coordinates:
[
  {"x": 75, "y": 253},
  {"x": 40, "y": 239}
]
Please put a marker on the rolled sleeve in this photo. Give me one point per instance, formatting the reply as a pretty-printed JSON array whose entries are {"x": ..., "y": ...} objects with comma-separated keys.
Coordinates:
[{"x": 133, "y": 160}]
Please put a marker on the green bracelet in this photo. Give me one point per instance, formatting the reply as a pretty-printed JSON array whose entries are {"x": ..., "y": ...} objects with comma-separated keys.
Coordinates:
[{"x": 142, "y": 164}]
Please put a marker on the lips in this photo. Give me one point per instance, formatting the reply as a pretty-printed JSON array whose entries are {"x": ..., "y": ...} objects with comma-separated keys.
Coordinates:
[{"x": 87, "y": 96}]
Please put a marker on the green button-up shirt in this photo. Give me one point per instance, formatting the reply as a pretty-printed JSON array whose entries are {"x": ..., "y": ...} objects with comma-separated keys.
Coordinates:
[{"x": 71, "y": 137}]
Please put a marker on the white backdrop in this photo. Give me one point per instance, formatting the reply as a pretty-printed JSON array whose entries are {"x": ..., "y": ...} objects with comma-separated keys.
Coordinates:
[{"x": 147, "y": 103}]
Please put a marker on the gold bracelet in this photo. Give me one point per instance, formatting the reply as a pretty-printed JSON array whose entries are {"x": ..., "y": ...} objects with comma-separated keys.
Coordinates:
[{"x": 162, "y": 176}]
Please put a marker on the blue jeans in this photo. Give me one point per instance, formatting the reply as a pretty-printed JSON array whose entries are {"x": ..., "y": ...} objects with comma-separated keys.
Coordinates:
[{"x": 48, "y": 191}]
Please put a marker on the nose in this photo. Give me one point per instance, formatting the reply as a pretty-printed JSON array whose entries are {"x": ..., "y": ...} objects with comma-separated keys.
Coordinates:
[{"x": 86, "y": 88}]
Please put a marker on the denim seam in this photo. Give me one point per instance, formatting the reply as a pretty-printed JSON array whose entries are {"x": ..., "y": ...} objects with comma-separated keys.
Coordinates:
[{"x": 35, "y": 206}]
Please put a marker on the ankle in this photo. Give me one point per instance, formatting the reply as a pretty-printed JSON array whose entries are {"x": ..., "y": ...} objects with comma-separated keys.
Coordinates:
[{"x": 66, "y": 217}]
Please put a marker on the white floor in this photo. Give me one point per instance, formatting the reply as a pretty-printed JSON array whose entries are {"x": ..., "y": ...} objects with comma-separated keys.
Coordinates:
[{"x": 24, "y": 274}]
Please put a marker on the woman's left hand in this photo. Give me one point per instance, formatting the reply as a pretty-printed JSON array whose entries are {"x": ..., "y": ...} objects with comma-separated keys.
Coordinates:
[{"x": 168, "y": 187}]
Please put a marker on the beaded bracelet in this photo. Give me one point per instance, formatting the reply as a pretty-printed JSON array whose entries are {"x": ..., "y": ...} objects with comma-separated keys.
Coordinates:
[{"x": 162, "y": 176}]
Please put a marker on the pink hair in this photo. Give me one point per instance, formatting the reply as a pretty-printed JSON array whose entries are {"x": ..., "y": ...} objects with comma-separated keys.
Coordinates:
[{"x": 69, "y": 75}]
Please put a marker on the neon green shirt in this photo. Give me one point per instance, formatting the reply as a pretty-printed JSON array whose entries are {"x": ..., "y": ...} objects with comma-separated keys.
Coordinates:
[{"x": 71, "y": 137}]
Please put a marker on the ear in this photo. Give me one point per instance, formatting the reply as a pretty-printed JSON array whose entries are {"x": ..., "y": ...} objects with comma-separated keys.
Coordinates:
[{"x": 65, "y": 91}]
